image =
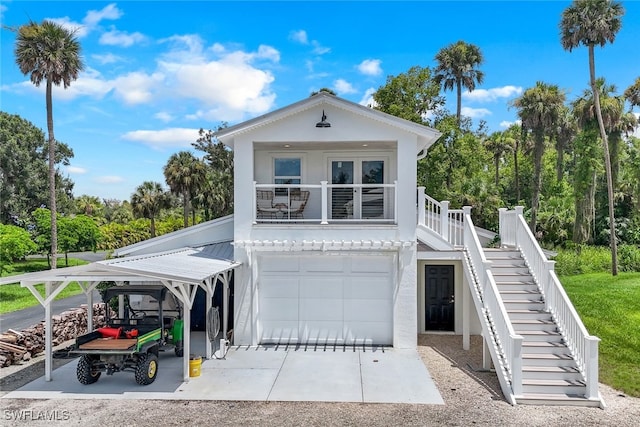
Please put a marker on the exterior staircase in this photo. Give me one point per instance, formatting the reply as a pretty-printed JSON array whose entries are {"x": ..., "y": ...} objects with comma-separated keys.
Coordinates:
[{"x": 550, "y": 374}]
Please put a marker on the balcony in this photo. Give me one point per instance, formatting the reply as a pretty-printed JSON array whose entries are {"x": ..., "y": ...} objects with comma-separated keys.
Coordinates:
[{"x": 325, "y": 203}]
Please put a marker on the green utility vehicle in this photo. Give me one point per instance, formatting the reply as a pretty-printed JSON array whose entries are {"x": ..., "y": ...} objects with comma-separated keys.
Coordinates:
[{"x": 150, "y": 322}]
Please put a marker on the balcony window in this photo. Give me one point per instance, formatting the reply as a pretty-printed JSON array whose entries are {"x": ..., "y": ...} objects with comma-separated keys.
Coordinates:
[{"x": 286, "y": 171}]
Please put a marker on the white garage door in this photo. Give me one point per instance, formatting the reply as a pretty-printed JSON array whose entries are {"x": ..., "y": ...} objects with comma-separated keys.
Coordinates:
[{"x": 325, "y": 299}]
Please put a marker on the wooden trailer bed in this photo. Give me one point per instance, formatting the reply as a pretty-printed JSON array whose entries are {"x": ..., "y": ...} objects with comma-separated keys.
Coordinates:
[{"x": 109, "y": 344}]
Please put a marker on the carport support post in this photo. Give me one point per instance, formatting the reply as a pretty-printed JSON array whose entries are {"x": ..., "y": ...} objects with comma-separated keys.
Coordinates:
[
  {"x": 48, "y": 334},
  {"x": 187, "y": 337},
  {"x": 466, "y": 296},
  {"x": 207, "y": 341}
]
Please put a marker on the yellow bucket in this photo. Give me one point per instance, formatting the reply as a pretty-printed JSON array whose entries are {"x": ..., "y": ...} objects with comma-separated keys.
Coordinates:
[{"x": 195, "y": 362}]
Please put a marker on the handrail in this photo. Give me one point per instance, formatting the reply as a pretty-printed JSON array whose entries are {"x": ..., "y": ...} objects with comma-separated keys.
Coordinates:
[
  {"x": 584, "y": 347},
  {"x": 437, "y": 217},
  {"x": 507, "y": 340}
]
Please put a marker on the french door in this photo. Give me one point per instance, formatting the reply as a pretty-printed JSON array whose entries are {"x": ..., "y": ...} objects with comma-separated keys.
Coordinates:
[{"x": 353, "y": 191}]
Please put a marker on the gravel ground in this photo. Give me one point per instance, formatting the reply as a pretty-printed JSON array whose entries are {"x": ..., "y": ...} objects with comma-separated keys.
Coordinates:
[{"x": 471, "y": 398}]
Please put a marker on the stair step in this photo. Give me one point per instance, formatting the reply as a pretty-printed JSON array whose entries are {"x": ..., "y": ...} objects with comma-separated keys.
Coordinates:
[
  {"x": 545, "y": 347},
  {"x": 509, "y": 269},
  {"x": 542, "y": 336},
  {"x": 566, "y": 373},
  {"x": 511, "y": 277},
  {"x": 515, "y": 286},
  {"x": 524, "y": 314},
  {"x": 573, "y": 387},
  {"x": 534, "y": 324},
  {"x": 520, "y": 294},
  {"x": 524, "y": 304},
  {"x": 556, "y": 400},
  {"x": 548, "y": 359}
]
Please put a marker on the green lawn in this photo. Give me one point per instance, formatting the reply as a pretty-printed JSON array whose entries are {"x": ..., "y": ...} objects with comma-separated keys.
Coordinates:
[
  {"x": 14, "y": 297},
  {"x": 610, "y": 309}
]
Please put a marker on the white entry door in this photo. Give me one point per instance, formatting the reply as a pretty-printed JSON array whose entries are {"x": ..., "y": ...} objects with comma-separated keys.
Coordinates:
[
  {"x": 325, "y": 299},
  {"x": 348, "y": 199}
]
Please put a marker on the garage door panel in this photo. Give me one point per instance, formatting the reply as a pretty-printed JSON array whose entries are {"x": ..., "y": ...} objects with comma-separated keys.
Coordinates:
[
  {"x": 322, "y": 264},
  {"x": 368, "y": 288},
  {"x": 279, "y": 287},
  {"x": 321, "y": 287},
  {"x": 321, "y": 309},
  {"x": 367, "y": 310},
  {"x": 368, "y": 333},
  {"x": 279, "y": 332},
  {"x": 371, "y": 264},
  {"x": 279, "y": 309},
  {"x": 321, "y": 332},
  {"x": 279, "y": 264}
]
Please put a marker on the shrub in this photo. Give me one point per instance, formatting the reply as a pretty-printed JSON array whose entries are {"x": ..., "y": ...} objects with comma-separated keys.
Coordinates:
[{"x": 585, "y": 259}]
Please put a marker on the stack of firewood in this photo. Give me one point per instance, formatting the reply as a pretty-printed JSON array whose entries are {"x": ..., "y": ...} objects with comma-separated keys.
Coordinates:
[{"x": 20, "y": 346}]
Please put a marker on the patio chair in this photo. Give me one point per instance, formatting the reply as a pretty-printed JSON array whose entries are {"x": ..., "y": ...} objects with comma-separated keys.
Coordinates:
[
  {"x": 264, "y": 204},
  {"x": 297, "y": 203}
]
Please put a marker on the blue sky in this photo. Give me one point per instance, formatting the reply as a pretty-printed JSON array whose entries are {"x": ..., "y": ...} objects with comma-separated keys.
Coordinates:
[{"x": 157, "y": 71}]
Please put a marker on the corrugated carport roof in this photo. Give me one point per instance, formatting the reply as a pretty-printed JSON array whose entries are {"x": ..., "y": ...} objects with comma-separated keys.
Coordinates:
[{"x": 186, "y": 265}]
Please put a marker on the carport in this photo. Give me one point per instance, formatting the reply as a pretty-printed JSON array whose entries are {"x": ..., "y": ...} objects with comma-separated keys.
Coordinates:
[{"x": 182, "y": 271}]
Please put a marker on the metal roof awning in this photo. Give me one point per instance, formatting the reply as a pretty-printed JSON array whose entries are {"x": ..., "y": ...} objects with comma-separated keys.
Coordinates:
[{"x": 186, "y": 265}]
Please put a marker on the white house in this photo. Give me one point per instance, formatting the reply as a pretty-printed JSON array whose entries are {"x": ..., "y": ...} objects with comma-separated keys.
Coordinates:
[{"x": 333, "y": 242}]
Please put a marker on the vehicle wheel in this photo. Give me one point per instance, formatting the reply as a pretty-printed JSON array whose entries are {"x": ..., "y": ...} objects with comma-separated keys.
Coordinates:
[
  {"x": 85, "y": 372},
  {"x": 179, "y": 349},
  {"x": 146, "y": 369}
]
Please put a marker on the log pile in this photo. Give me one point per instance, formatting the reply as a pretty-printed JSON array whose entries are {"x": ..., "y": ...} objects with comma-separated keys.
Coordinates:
[{"x": 19, "y": 346}]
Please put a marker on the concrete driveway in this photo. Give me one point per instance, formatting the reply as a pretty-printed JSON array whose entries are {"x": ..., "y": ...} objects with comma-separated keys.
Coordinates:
[{"x": 266, "y": 373}]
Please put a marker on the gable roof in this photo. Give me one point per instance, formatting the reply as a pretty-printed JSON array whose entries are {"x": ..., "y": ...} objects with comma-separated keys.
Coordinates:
[{"x": 426, "y": 135}]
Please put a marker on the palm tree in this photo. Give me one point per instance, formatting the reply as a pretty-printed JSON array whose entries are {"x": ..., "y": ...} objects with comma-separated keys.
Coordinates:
[
  {"x": 632, "y": 93},
  {"x": 49, "y": 52},
  {"x": 591, "y": 23},
  {"x": 458, "y": 67},
  {"x": 148, "y": 201},
  {"x": 498, "y": 144},
  {"x": 565, "y": 133},
  {"x": 88, "y": 205},
  {"x": 185, "y": 175},
  {"x": 539, "y": 108}
]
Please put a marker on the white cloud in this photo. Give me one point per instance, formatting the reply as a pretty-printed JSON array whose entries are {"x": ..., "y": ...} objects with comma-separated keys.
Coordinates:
[
  {"x": 111, "y": 11},
  {"x": 164, "y": 116},
  {"x": 109, "y": 179},
  {"x": 343, "y": 87},
  {"x": 318, "y": 49},
  {"x": 76, "y": 170},
  {"x": 367, "y": 99},
  {"x": 137, "y": 87},
  {"x": 493, "y": 94},
  {"x": 91, "y": 20},
  {"x": 299, "y": 36},
  {"x": 163, "y": 139},
  {"x": 268, "y": 52},
  {"x": 475, "y": 113},
  {"x": 121, "y": 38},
  {"x": 370, "y": 67},
  {"x": 107, "y": 58}
]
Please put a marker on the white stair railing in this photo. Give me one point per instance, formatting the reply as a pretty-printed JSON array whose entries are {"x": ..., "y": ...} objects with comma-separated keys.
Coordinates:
[
  {"x": 508, "y": 341},
  {"x": 437, "y": 217},
  {"x": 583, "y": 346}
]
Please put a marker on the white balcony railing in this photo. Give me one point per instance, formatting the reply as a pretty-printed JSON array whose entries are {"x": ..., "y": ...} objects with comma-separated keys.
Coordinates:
[
  {"x": 325, "y": 203},
  {"x": 437, "y": 217}
]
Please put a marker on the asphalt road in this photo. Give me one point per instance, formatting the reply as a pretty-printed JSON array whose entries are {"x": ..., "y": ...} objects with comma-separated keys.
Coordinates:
[{"x": 22, "y": 319}]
